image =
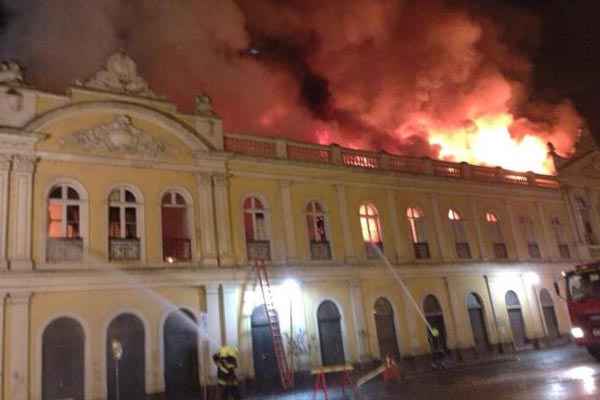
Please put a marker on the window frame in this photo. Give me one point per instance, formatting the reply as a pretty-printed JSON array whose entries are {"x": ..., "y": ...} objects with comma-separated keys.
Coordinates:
[
  {"x": 190, "y": 221},
  {"x": 315, "y": 215},
  {"x": 139, "y": 205},
  {"x": 376, "y": 218}
]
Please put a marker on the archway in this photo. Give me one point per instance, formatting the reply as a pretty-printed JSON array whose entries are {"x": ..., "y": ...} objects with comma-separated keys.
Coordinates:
[
  {"x": 128, "y": 330},
  {"x": 265, "y": 363},
  {"x": 181, "y": 355},
  {"x": 435, "y": 317},
  {"x": 386, "y": 330},
  {"x": 549, "y": 313},
  {"x": 330, "y": 334},
  {"x": 477, "y": 318},
  {"x": 515, "y": 316},
  {"x": 63, "y": 344}
]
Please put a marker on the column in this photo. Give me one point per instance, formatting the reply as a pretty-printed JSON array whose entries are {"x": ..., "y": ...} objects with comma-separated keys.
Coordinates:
[
  {"x": 288, "y": 220},
  {"x": 549, "y": 246},
  {"x": 481, "y": 238},
  {"x": 350, "y": 256},
  {"x": 215, "y": 336},
  {"x": 17, "y": 373},
  {"x": 581, "y": 250},
  {"x": 231, "y": 309},
  {"x": 593, "y": 213},
  {"x": 2, "y": 334},
  {"x": 400, "y": 240},
  {"x": 223, "y": 215},
  {"x": 438, "y": 223},
  {"x": 536, "y": 322},
  {"x": 360, "y": 327},
  {"x": 454, "y": 311},
  {"x": 4, "y": 180},
  {"x": 516, "y": 235},
  {"x": 207, "y": 220},
  {"x": 21, "y": 212},
  {"x": 411, "y": 323}
]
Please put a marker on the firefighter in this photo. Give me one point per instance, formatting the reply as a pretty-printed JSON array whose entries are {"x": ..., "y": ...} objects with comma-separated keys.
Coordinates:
[
  {"x": 437, "y": 351},
  {"x": 226, "y": 360}
]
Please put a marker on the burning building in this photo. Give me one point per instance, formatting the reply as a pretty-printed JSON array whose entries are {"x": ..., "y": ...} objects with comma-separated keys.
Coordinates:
[{"x": 124, "y": 220}]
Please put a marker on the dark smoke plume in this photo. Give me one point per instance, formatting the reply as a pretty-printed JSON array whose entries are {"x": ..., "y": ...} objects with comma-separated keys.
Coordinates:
[{"x": 382, "y": 74}]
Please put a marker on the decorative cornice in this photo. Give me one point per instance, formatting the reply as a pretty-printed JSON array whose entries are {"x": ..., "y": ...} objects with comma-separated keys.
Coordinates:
[
  {"x": 118, "y": 136},
  {"x": 121, "y": 76},
  {"x": 19, "y": 298}
]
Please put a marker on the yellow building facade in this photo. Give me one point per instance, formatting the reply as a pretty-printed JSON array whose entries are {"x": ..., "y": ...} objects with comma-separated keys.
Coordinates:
[{"x": 122, "y": 219}]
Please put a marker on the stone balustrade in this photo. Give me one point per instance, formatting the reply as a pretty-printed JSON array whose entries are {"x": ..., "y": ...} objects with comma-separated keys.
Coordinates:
[{"x": 371, "y": 160}]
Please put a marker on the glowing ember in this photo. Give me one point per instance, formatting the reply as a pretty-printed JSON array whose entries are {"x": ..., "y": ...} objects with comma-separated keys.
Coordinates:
[{"x": 489, "y": 142}]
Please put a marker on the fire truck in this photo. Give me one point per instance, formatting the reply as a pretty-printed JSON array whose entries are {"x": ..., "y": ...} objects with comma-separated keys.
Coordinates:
[{"x": 583, "y": 301}]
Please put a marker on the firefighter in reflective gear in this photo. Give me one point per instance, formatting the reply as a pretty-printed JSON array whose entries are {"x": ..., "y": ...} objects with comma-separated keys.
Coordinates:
[
  {"x": 438, "y": 352},
  {"x": 226, "y": 360}
]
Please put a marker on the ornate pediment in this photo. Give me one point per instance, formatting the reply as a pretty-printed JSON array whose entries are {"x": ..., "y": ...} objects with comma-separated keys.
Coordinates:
[
  {"x": 121, "y": 76},
  {"x": 118, "y": 136}
]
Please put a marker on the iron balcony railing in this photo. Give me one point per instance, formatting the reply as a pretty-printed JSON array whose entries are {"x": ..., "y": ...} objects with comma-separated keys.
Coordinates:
[
  {"x": 64, "y": 249},
  {"x": 177, "y": 249},
  {"x": 124, "y": 249}
]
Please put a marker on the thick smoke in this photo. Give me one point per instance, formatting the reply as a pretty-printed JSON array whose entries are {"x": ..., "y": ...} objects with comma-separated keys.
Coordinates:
[{"x": 381, "y": 74}]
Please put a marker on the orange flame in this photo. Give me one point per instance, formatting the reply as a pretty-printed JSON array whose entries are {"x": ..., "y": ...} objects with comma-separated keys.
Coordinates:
[{"x": 489, "y": 142}]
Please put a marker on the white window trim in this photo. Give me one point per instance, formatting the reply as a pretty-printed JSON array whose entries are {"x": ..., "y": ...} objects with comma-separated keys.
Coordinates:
[
  {"x": 191, "y": 222},
  {"x": 139, "y": 206},
  {"x": 83, "y": 221}
]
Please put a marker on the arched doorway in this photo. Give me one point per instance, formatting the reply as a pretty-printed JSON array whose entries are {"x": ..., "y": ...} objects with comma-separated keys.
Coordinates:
[
  {"x": 181, "y": 355},
  {"x": 515, "y": 316},
  {"x": 63, "y": 344},
  {"x": 266, "y": 370},
  {"x": 476, "y": 315},
  {"x": 330, "y": 334},
  {"x": 386, "y": 330},
  {"x": 128, "y": 330},
  {"x": 549, "y": 313},
  {"x": 435, "y": 317}
]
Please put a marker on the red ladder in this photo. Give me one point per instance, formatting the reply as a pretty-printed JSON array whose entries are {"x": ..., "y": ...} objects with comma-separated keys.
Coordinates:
[{"x": 285, "y": 372}]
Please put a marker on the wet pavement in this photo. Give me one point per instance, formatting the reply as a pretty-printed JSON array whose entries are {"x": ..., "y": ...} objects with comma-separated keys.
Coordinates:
[{"x": 561, "y": 373}]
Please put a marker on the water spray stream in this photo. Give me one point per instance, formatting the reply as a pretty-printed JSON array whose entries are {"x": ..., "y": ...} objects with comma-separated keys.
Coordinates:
[{"x": 405, "y": 288}]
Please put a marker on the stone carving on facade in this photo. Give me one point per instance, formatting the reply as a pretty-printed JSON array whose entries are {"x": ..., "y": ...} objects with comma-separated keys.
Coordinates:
[
  {"x": 120, "y": 75},
  {"x": 118, "y": 136},
  {"x": 11, "y": 72},
  {"x": 204, "y": 105}
]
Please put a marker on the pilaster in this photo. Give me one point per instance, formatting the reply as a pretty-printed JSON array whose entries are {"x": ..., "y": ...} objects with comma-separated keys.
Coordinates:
[
  {"x": 18, "y": 335},
  {"x": 223, "y": 215},
  {"x": 231, "y": 308},
  {"x": 21, "y": 186},
  {"x": 207, "y": 220},
  {"x": 549, "y": 247},
  {"x": 214, "y": 319},
  {"x": 285, "y": 187},
  {"x": 350, "y": 256},
  {"x": 360, "y": 327},
  {"x": 5, "y": 162},
  {"x": 2, "y": 335},
  {"x": 516, "y": 234},
  {"x": 411, "y": 323},
  {"x": 438, "y": 221},
  {"x": 482, "y": 240},
  {"x": 400, "y": 241},
  {"x": 454, "y": 311}
]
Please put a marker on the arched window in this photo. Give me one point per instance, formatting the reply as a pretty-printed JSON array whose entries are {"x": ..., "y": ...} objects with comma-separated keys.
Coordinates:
[
  {"x": 418, "y": 234},
  {"x": 386, "y": 329},
  {"x": 583, "y": 215},
  {"x": 549, "y": 313},
  {"x": 477, "y": 318},
  {"x": 371, "y": 230},
  {"x": 435, "y": 317},
  {"x": 494, "y": 232},
  {"x": 123, "y": 229},
  {"x": 515, "y": 317},
  {"x": 460, "y": 235},
  {"x": 258, "y": 244},
  {"x": 528, "y": 230},
  {"x": 177, "y": 245},
  {"x": 560, "y": 236},
  {"x": 64, "y": 241},
  {"x": 317, "y": 231}
]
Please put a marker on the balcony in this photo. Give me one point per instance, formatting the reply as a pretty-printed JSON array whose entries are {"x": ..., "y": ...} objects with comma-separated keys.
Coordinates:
[
  {"x": 177, "y": 249},
  {"x": 124, "y": 249},
  {"x": 320, "y": 250},
  {"x": 500, "y": 251},
  {"x": 373, "y": 249},
  {"x": 463, "y": 250},
  {"x": 534, "y": 250},
  {"x": 564, "y": 251},
  {"x": 421, "y": 250},
  {"x": 258, "y": 250},
  {"x": 64, "y": 250}
]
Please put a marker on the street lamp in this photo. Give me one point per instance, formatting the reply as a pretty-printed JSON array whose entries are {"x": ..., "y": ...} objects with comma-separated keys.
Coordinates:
[{"x": 117, "y": 354}]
